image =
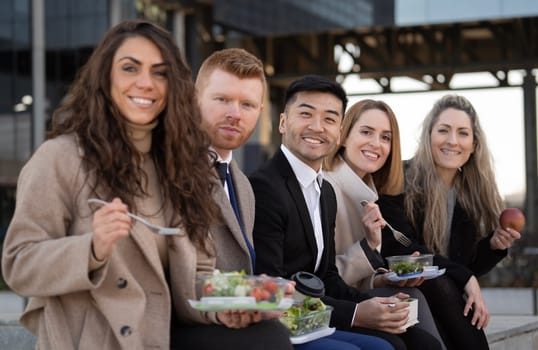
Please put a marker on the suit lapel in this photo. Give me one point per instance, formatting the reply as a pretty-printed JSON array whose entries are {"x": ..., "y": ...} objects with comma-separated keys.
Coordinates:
[
  {"x": 228, "y": 214},
  {"x": 243, "y": 193},
  {"x": 296, "y": 193}
]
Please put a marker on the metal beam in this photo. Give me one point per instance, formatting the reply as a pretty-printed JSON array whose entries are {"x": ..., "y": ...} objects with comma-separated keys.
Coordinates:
[
  {"x": 531, "y": 165},
  {"x": 38, "y": 72}
]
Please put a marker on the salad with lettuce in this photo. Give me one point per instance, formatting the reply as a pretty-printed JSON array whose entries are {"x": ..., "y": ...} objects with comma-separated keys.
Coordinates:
[
  {"x": 306, "y": 317},
  {"x": 237, "y": 284},
  {"x": 226, "y": 284},
  {"x": 405, "y": 268}
]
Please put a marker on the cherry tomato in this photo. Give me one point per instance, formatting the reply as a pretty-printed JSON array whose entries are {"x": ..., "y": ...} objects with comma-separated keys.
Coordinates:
[
  {"x": 271, "y": 286},
  {"x": 208, "y": 289}
]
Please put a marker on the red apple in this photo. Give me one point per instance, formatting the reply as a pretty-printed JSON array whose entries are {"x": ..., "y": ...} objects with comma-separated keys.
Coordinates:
[{"x": 512, "y": 218}]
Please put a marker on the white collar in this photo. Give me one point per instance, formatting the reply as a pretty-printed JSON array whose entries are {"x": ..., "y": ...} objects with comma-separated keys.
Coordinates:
[
  {"x": 228, "y": 159},
  {"x": 304, "y": 174}
]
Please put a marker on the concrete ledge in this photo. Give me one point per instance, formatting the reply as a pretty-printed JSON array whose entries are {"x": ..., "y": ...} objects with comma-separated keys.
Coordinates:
[
  {"x": 13, "y": 335},
  {"x": 511, "y": 301},
  {"x": 513, "y": 332}
]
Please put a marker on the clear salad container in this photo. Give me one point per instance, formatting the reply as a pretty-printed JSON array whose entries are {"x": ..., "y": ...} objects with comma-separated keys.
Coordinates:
[
  {"x": 404, "y": 265},
  {"x": 300, "y": 320},
  {"x": 239, "y": 287}
]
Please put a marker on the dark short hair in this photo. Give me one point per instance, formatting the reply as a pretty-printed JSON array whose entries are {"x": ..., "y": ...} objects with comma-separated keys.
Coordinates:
[{"x": 315, "y": 83}]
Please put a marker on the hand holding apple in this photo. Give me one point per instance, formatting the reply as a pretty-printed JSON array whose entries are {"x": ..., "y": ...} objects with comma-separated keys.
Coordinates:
[
  {"x": 512, "y": 218},
  {"x": 511, "y": 221}
]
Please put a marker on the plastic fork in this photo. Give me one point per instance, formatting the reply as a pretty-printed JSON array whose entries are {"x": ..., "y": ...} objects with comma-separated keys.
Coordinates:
[
  {"x": 155, "y": 228},
  {"x": 400, "y": 237}
]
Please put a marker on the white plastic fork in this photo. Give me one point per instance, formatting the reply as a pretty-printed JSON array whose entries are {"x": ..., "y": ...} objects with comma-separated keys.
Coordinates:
[
  {"x": 155, "y": 228},
  {"x": 400, "y": 237}
]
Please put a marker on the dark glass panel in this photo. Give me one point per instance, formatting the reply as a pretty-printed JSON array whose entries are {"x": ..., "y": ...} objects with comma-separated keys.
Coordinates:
[
  {"x": 6, "y": 10},
  {"x": 21, "y": 34},
  {"x": 6, "y": 97}
]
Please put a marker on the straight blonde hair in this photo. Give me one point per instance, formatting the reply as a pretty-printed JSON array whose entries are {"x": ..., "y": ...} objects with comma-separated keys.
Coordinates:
[{"x": 475, "y": 186}]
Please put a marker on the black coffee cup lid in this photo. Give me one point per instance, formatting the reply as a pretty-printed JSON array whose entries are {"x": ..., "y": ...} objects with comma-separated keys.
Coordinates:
[{"x": 308, "y": 284}]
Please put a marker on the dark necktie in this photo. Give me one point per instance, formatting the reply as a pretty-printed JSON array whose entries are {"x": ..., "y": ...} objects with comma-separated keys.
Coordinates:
[
  {"x": 224, "y": 175},
  {"x": 222, "y": 170}
]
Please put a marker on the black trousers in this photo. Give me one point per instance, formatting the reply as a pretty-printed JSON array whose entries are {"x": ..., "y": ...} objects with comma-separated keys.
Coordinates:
[
  {"x": 265, "y": 335},
  {"x": 446, "y": 304}
]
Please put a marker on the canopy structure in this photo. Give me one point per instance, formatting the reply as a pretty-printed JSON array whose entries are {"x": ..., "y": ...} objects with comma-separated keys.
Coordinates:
[{"x": 428, "y": 41}]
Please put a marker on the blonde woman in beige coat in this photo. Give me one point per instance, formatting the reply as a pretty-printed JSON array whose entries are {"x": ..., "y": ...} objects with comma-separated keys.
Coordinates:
[
  {"x": 368, "y": 160},
  {"x": 127, "y": 133}
]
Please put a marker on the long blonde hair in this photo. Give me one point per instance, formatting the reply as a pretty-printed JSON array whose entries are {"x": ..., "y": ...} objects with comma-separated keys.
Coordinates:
[
  {"x": 389, "y": 178},
  {"x": 475, "y": 186}
]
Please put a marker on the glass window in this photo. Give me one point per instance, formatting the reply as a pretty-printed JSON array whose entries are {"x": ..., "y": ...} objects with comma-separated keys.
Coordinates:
[
  {"x": 6, "y": 97},
  {"x": 72, "y": 30}
]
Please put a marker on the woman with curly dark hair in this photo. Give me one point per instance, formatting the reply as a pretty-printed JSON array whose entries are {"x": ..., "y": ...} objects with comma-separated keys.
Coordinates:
[{"x": 127, "y": 133}]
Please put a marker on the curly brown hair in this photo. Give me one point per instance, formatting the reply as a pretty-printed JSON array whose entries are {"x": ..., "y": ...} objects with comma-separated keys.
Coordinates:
[{"x": 179, "y": 146}]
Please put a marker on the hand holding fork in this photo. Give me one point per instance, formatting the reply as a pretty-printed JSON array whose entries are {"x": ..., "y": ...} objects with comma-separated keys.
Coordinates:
[
  {"x": 113, "y": 222},
  {"x": 400, "y": 237},
  {"x": 110, "y": 224},
  {"x": 155, "y": 228}
]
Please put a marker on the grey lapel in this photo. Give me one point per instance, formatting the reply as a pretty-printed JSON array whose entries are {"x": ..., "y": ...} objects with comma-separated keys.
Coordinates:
[{"x": 229, "y": 220}]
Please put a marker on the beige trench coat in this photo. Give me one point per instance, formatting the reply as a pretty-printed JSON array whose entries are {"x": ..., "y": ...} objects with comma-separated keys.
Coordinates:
[
  {"x": 76, "y": 304},
  {"x": 353, "y": 265}
]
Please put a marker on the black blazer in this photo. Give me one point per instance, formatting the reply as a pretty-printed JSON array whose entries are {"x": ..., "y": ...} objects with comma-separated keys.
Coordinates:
[
  {"x": 467, "y": 256},
  {"x": 284, "y": 236}
]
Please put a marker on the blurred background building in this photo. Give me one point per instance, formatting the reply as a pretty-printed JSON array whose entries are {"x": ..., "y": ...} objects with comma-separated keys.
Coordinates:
[{"x": 427, "y": 43}]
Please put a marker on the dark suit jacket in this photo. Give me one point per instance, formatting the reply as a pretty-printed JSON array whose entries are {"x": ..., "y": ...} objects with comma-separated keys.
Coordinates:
[
  {"x": 232, "y": 251},
  {"x": 467, "y": 256},
  {"x": 284, "y": 236}
]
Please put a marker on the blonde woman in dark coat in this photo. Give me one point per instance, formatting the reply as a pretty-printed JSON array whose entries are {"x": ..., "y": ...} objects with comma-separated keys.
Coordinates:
[{"x": 451, "y": 208}]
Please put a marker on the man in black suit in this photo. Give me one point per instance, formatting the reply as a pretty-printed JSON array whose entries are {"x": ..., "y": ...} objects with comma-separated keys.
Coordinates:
[{"x": 296, "y": 209}]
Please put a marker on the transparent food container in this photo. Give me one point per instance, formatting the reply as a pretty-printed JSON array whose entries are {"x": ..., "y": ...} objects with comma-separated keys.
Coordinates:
[
  {"x": 404, "y": 265},
  {"x": 303, "y": 324},
  {"x": 240, "y": 287}
]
